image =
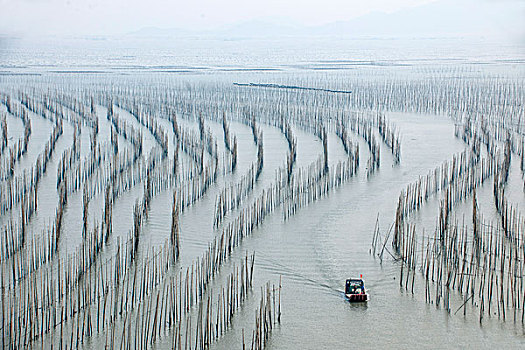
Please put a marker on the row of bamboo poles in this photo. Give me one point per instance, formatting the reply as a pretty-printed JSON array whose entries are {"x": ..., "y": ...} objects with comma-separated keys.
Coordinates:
[
  {"x": 390, "y": 136},
  {"x": 257, "y": 217},
  {"x": 363, "y": 126},
  {"x": 232, "y": 196},
  {"x": 481, "y": 264},
  {"x": 232, "y": 149},
  {"x": 476, "y": 268},
  {"x": 267, "y": 316},
  {"x": 120, "y": 165},
  {"x": 83, "y": 264}
]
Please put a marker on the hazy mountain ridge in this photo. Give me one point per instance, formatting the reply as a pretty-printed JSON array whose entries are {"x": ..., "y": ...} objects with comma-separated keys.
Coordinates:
[{"x": 426, "y": 21}]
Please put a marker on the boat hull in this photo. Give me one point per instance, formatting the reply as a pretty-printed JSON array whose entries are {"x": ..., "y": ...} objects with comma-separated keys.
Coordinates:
[{"x": 357, "y": 298}]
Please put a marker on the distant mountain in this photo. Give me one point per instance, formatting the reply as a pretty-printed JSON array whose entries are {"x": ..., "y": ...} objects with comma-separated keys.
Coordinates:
[
  {"x": 249, "y": 29},
  {"x": 437, "y": 19},
  {"x": 444, "y": 18},
  {"x": 262, "y": 28}
]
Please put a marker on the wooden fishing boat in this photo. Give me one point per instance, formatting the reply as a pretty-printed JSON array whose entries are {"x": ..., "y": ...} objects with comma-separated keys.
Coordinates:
[{"x": 355, "y": 290}]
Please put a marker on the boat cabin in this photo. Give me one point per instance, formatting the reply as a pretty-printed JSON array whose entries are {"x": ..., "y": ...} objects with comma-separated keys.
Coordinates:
[{"x": 355, "y": 286}]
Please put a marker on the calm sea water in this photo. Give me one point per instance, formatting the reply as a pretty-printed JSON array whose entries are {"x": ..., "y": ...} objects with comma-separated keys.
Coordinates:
[{"x": 325, "y": 242}]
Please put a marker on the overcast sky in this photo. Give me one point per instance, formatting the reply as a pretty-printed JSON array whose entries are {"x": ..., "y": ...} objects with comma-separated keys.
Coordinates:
[{"x": 96, "y": 17}]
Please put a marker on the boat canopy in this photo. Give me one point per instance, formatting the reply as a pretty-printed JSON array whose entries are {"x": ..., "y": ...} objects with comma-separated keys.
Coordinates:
[{"x": 354, "y": 285}]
